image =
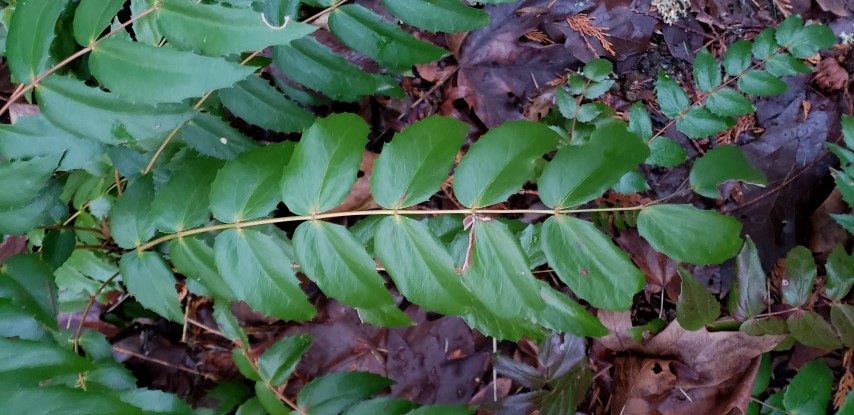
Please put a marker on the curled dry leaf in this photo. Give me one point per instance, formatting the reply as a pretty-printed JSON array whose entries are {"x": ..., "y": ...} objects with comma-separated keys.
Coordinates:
[{"x": 830, "y": 76}]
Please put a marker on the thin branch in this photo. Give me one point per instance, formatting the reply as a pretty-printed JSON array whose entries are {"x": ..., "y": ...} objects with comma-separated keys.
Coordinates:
[
  {"x": 160, "y": 362},
  {"x": 89, "y": 304},
  {"x": 325, "y": 11}
]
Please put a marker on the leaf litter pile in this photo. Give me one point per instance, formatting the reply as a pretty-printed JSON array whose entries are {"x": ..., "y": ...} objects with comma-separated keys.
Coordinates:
[{"x": 507, "y": 70}]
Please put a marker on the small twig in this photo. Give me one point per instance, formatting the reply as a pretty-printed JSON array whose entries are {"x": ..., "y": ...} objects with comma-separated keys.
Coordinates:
[
  {"x": 160, "y": 362},
  {"x": 325, "y": 11},
  {"x": 752, "y": 399},
  {"x": 92, "y": 298}
]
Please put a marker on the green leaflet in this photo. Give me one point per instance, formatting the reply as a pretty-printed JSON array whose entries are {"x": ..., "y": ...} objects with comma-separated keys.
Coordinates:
[
  {"x": 420, "y": 266},
  {"x": 810, "y": 389},
  {"x": 312, "y": 64},
  {"x": 764, "y": 44},
  {"x": 229, "y": 326},
  {"x": 842, "y": 317},
  {"x": 44, "y": 209},
  {"x": 150, "y": 281},
  {"x": 438, "y": 15},
  {"x": 35, "y": 136},
  {"x": 386, "y": 43},
  {"x": 665, "y": 152},
  {"x": 109, "y": 119},
  {"x": 752, "y": 291},
  {"x": 130, "y": 221},
  {"x": 691, "y": 235},
  {"x": 447, "y": 409},
  {"x": 811, "y": 329},
  {"x": 275, "y": 11},
  {"x": 324, "y": 165},
  {"x": 213, "y": 137},
  {"x": 28, "y": 283},
  {"x": 737, "y": 57},
  {"x": 671, "y": 97},
  {"x": 21, "y": 180},
  {"x": 279, "y": 361},
  {"x": 36, "y": 360},
  {"x": 383, "y": 405},
  {"x": 257, "y": 271},
  {"x": 337, "y": 262},
  {"x": 728, "y": 102},
  {"x": 720, "y": 165},
  {"x": 196, "y": 260},
  {"x": 699, "y": 122},
  {"x": 639, "y": 121},
  {"x": 500, "y": 162},
  {"x": 335, "y": 392},
  {"x": 212, "y": 29},
  {"x": 696, "y": 306},
  {"x": 707, "y": 71},
  {"x": 760, "y": 83},
  {"x": 31, "y": 32},
  {"x": 590, "y": 264},
  {"x": 52, "y": 399},
  {"x": 578, "y": 174},
  {"x": 247, "y": 187},
  {"x": 270, "y": 403},
  {"x": 143, "y": 73},
  {"x": 254, "y": 100},
  {"x": 839, "y": 276},
  {"x": 183, "y": 201},
  {"x": 800, "y": 275},
  {"x": 597, "y": 70},
  {"x": 412, "y": 167},
  {"x": 566, "y": 316},
  {"x": 784, "y": 64},
  {"x": 804, "y": 41},
  {"x": 92, "y": 16}
]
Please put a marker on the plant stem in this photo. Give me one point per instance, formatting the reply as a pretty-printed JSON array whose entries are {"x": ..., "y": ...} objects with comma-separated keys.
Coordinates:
[{"x": 89, "y": 304}]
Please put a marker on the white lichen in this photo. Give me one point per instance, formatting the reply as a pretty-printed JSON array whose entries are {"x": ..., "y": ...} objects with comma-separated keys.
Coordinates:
[
  {"x": 672, "y": 10},
  {"x": 846, "y": 38}
]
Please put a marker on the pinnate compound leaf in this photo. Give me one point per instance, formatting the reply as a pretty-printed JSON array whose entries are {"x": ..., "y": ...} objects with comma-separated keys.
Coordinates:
[
  {"x": 839, "y": 275},
  {"x": 324, "y": 165},
  {"x": 696, "y": 306},
  {"x": 213, "y": 137},
  {"x": 130, "y": 221},
  {"x": 728, "y": 102},
  {"x": 806, "y": 41},
  {"x": 590, "y": 264},
  {"x": 699, "y": 122},
  {"x": 312, "y": 64},
  {"x": 438, "y": 15},
  {"x": 691, "y": 235},
  {"x": 31, "y": 31},
  {"x": 21, "y": 180},
  {"x": 811, "y": 329},
  {"x": 183, "y": 201},
  {"x": 842, "y": 317},
  {"x": 761, "y": 83},
  {"x": 147, "y": 74},
  {"x": 580, "y": 173},
  {"x": 195, "y": 259},
  {"x": 109, "y": 119},
  {"x": 752, "y": 290},
  {"x": 247, "y": 187},
  {"x": 150, "y": 281},
  {"x": 412, "y": 167},
  {"x": 28, "y": 283},
  {"x": 809, "y": 391},
  {"x": 212, "y": 29},
  {"x": 788, "y": 29},
  {"x": 257, "y": 102},
  {"x": 279, "y": 361},
  {"x": 337, "y": 262},
  {"x": 665, "y": 152},
  {"x": 707, "y": 71},
  {"x": 720, "y": 165},
  {"x": 800, "y": 275},
  {"x": 335, "y": 392},
  {"x": 671, "y": 97},
  {"x": 564, "y": 315},
  {"x": 737, "y": 57},
  {"x": 386, "y": 43},
  {"x": 257, "y": 271},
  {"x": 784, "y": 64},
  {"x": 92, "y": 17},
  {"x": 420, "y": 266},
  {"x": 501, "y": 161}
]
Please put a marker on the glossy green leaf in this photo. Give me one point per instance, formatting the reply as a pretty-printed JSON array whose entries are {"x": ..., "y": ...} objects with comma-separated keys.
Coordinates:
[
  {"x": 384, "y": 42},
  {"x": 276, "y": 11},
  {"x": 590, "y": 264},
  {"x": 130, "y": 221},
  {"x": 213, "y": 137},
  {"x": 21, "y": 180},
  {"x": 413, "y": 166},
  {"x": 564, "y": 315},
  {"x": 848, "y": 130},
  {"x": 230, "y": 328},
  {"x": 699, "y": 122},
  {"x": 144, "y": 73},
  {"x": 737, "y": 57},
  {"x": 31, "y": 32},
  {"x": 762, "y": 326},
  {"x": 640, "y": 122},
  {"x": 578, "y": 174},
  {"x": 257, "y": 102},
  {"x": 183, "y": 201},
  {"x": 720, "y": 165},
  {"x": 247, "y": 187},
  {"x": 35, "y": 136},
  {"x": 257, "y": 271},
  {"x": 92, "y": 17},
  {"x": 420, "y": 266},
  {"x": 760, "y": 83},
  {"x": 438, "y": 15},
  {"x": 314, "y": 65},
  {"x": 212, "y": 29},
  {"x": 810, "y": 39},
  {"x": 727, "y": 102},
  {"x": 195, "y": 259},
  {"x": 809, "y": 391},
  {"x": 269, "y": 401},
  {"x": 707, "y": 71},
  {"x": 812, "y": 330},
  {"x": 29, "y": 285},
  {"x": 671, "y": 97},
  {"x": 788, "y": 29},
  {"x": 324, "y": 165},
  {"x": 801, "y": 271},
  {"x": 337, "y": 262},
  {"x": 110, "y": 119},
  {"x": 752, "y": 289},
  {"x": 330, "y": 394},
  {"x": 45, "y": 359},
  {"x": 696, "y": 306},
  {"x": 251, "y": 407},
  {"x": 383, "y": 406},
  {"x": 500, "y": 162},
  {"x": 149, "y": 279},
  {"x": 631, "y": 182},
  {"x": 842, "y": 317},
  {"x": 691, "y": 235},
  {"x": 279, "y": 361},
  {"x": 446, "y": 409},
  {"x": 764, "y": 45},
  {"x": 665, "y": 152},
  {"x": 57, "y": 246},
  {"x": 145, "y": 27},
  {"x": 45, "y": 209},
  {"x": 597, "y": 70},
  {"x": 839, "y": 275},
  {"x": 54, "y": 399},
  {"x": 155, "y": 401},
  {"x": 784, "y": 64}
]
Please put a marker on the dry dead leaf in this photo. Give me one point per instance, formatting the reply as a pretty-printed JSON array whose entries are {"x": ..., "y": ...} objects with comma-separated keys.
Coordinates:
[
  {"x": 830, "y": 76},
  {"x": 360, "y": 197}
]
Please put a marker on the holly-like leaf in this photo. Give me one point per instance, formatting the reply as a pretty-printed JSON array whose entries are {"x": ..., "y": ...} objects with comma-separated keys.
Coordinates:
[
  {"x": 21, "y": 180},
  {"x": 92, "y": 16},
  {"x": 764, "y": 45},
  {"x": 438, "y": 15},
  {"x": 671, "y": 97},
  {"x": 699, "y": 122},
  {"x": 720, "y": 165},
  {"x": 737, "y": 57},
  {"x": 183, "y": 201},
  {"x": 839, "y": 275},
  {"x": 324, "y": 164},
  {"x": 150, "y": 281},
  {"x": 211, "y": 136},
  {"x": 597, "y": 70},
  {"x": 842, "y": 317},
  {"x": 784, "y": 64},
  {"x": 279, "y": 361},
  {"x": 130, "y": 221},
  {"x": 665, "y": 152},
  {"x": 805, "y": 41},
  {"x": 696, "y": 306},
  {"x": 36, "y": 136},
  {"x": 639, "y": 121},
  {"x": 255, "y": 101},
  {"x": 691, "y": 235},
  {"x": 761, "y": 83},
  {"x": 31, "y": 31},
  {"x": 707, "y": 71},
  {"x": 809, "y": 391},
  {"x": 412, "y": 167},
  {"x": 728, "y": 102},
  {"x": 800, "y": 275},
  {"x": 812, "y": 330},
  {"x": 500, "y": 162}
]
